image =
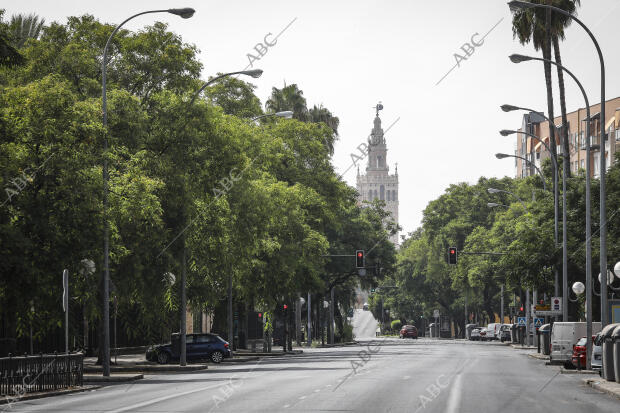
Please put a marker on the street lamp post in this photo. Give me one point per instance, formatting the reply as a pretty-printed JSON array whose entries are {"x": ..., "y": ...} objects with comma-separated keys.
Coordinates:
[
  {"x": 603, "y": 195},
  {"x": 540, "y": 174},
  {"x": 509, "y": 108},
  {"x": 185, "y": 13},
  {"x": 528, "y": 310},
  {"x": 287, "y": 114},
  {"x": 516, "y": 58},
  {"x": 255, "y": 73}
]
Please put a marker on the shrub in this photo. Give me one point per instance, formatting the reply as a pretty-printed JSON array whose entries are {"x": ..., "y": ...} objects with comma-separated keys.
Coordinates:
[{"x": 396, "y": 325}]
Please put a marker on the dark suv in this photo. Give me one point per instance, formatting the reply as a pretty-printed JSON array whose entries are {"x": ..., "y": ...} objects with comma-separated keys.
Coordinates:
[{"x": 198, "y": 346}]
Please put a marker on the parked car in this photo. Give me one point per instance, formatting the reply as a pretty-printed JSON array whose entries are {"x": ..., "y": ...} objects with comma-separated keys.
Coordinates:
[
  {"x": 579, "y": 353},
  {"x": 483, "y": 334},
  {"x": 492, "y": 331},
  {"x": 408, "y": 331},
  {"x": 504, "y": 332},
  {"x": 198, "y": 346},
  {"x": 365, "y": 307},
  {"x": 597, "y": 353},
  {"x": 475, "y": 334},
  {"x": 468, "y": 330},
  {"x": 563, "y": 336}
]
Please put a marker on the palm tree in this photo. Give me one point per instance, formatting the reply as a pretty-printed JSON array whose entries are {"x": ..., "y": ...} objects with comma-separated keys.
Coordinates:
[
  {"x": 322, "y": 114},
  {"x": 9, "y": 56},
  {"x": 25, "y": 27},
  {"x": 288, "y": 98},
  {"x": 558, "y": 23},
  {"x": 543, "y": 28},
  {"x": 533, "y": 25}
]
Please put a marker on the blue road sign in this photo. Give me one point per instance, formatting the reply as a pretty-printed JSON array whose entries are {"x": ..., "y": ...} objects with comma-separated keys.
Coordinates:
[
  {"x": 538, "y": 322},
  {"x": 521, "y": 321}
]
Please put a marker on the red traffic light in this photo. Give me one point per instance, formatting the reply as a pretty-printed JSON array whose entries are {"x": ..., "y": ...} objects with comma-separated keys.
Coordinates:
[
  {"x": 285, "y": 306},
  {"x": 521, "y": 309},
  {"x": 260, "y": 315},
  {"x": 452, "y": 255},
  {"x": 359, "y": 259}
]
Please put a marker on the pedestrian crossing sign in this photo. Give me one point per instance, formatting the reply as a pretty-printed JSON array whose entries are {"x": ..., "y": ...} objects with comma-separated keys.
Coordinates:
[
  {"x": 521, "y": 321},
  {"x": 538, "y": 322}
]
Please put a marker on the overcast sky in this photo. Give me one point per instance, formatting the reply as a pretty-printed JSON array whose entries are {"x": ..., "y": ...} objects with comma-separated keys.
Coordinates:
[{"x": 348, "y": 55}]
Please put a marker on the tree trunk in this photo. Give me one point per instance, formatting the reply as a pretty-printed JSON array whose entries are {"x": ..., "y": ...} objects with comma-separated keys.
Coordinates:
[{"x": 564, "y": 137}]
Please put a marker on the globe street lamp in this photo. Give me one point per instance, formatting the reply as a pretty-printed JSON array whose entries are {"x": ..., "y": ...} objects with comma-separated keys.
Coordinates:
[
  {"x": 185, "y": 13},
  {"x": 603, "y": 214},
  {"x": 542, "y": 178}
]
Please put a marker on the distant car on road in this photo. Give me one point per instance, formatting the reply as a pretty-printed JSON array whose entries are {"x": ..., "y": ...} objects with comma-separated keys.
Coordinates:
[
  {"x": 597, "y": 353},
  {"x": 198, "y": 346},
  {"x": 408, "y": 332},
  {"x": 493, "y": 331},
  {"x": 365, "y": 307},
  {"x": 475, "y": 334},
  {"x": 504, "y": 332}
]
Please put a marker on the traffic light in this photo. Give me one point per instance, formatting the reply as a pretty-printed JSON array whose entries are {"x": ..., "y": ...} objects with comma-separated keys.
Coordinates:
[
  {"x": 359, "y": 259},
  {"x": 452, "y": 253},
  {"x": 372, "y": 291},
  {"x": 285, "y": 307}
]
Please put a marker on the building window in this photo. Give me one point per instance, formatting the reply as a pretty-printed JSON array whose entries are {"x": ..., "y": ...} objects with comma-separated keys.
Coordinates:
[
  {"x": 379, "y": 161},
  {"x": 388, "y": 195},
  {"x": 369, "y": 195},
  {"x": 382, "y": 193},
  {"x": 375, "y": 197}
]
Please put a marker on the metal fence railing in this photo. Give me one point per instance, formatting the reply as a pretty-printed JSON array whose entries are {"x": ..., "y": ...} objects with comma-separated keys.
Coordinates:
[{"x": 44, "y": 372}]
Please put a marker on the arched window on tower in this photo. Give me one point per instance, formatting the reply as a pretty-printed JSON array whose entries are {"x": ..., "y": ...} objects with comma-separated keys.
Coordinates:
[
  {"x": 382, "y": 193},
  {"x": 378, "y": 161},
  {"x": 369, "y": 195},
  {"x": 395, "y": 196},
  {"x": 388, "y": 195},
  {"x": 375, "y": 197}
]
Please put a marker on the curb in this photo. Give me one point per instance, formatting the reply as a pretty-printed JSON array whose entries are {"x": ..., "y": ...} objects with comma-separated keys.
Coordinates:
[
  {"x": 575, "y": 371},
  {"x": 33, "y": 396},
  {"x": 147, "y": 369},
  {"x": 241, "y": 359},
  {"x": 88, "y": 378},
  {"x": 539, "y": 356},
  {"x": 604, "y": 386}
]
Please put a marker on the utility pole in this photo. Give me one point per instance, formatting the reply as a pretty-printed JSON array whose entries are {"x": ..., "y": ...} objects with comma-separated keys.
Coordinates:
[
  {"x": 309, "y": 332},
  {"x": 331, "y": 317},
  {"x": 298, "y": 321},
  {"x": 501, "y": 312}
]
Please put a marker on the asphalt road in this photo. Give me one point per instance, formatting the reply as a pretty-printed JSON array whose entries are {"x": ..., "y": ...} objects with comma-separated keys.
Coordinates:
[
  {"x": 364, "y": 325},
  {"x": 382, "y": 376}
]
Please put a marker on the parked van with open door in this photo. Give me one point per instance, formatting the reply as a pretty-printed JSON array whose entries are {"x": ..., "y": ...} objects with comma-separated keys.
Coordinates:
[{"x": 563, "y": 336}]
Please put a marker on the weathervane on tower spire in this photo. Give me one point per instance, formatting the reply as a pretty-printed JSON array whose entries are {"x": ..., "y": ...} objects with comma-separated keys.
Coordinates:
[{"x": 378, "y": 107}]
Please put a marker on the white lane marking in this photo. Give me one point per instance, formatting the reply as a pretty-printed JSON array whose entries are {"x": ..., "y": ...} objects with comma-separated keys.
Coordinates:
[
  {"x": 287, "y": 406},
  {"x": 164, "y": 398},
  {"x": 406, "y": 377},
  {"x": 454, "y": 399},
  {"x": 317, "y": 390},
  {"x": 302, "y": 397}
]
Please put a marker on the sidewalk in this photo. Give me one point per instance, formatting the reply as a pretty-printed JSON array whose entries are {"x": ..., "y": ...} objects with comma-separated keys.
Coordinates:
[
  {"x": 39, "y": 395},
  {"x": 610, "y": 387}
]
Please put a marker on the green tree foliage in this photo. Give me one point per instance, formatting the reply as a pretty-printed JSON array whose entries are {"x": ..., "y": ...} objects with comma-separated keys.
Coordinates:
[{"x": 259, "y": 202}]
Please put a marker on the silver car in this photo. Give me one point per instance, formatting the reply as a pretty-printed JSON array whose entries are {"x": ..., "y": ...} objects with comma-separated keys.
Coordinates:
[{"x": 597, "y": 354}]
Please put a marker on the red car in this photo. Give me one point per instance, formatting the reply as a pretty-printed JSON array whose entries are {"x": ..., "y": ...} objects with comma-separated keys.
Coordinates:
[
  {"x": 409, "y": 331},
  {"x": 579, "y": 353}
]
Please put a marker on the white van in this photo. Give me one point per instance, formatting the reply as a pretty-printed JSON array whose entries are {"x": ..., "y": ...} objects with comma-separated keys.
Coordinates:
[
  {"x": 564, "y": 335},
  {"x": 493, "y": 331}
]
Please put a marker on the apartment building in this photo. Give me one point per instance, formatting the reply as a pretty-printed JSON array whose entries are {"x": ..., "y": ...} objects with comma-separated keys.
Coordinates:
[{"x": 535, "y": 152}]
